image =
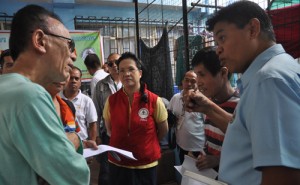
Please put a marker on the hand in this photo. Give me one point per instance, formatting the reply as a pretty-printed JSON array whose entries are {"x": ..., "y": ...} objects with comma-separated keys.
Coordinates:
[
  {"x": 195, "y": 101},
  {"x": 90, "y": 144},
  {"x": 207, "y": 161}
]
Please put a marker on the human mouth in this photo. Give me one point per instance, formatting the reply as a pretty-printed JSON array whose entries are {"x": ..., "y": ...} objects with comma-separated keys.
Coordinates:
[
  {"x": 71, "y": 65},
  {"x": 127, "y": 79}
]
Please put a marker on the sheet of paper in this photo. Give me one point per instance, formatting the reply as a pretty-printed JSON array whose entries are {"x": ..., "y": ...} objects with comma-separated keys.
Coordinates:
[
  {"x": 191, "y": 178},
  {"x": 189, "y": 181},
  {"x": 88, "y": 152},
  {"x": 189, "y": 164}
]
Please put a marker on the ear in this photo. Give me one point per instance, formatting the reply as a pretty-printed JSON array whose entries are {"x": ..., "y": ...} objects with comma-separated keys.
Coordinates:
[
  {"x": 39, "y": 41},
  {"x": 141, "y": 73},
  {"x": 224, "y": 72},
  {"x": 254, "y": 28}
]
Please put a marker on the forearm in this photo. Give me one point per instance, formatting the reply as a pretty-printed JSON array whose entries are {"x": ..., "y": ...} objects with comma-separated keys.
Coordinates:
[
  {"x": 73, "y": 137},
  {"x": 279, "y": 175},
  {"x": 93, "y": 131},
  {"x": 162, "y": 130}
]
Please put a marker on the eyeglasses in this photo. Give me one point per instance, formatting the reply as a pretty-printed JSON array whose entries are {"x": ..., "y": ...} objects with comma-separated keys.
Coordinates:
[
  {"x": 111, "y": 63},
  {"x": 130, "y": 70},
  {"x": 70, "y": 41}
]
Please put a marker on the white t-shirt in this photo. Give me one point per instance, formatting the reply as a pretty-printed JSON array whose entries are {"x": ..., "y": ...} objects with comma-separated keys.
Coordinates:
[{"x": 190, "y": 134}]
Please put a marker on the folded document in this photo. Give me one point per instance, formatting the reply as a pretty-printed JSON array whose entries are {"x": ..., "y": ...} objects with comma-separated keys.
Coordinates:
[
  {"x": 88, "y": 152},
  {"x": 192, "y": 176}
]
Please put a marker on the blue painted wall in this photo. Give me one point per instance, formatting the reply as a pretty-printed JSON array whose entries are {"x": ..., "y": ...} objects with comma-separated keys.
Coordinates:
[{"x": 67, "y": 12}]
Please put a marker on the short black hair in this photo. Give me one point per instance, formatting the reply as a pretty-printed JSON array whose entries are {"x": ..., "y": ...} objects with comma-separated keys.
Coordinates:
[
  {"x": 210, "y": 60},
  {"x": 4, "y": 53},
  {"x": 24, "y": 22},
  {"x": 240, "y": 13},
  {"x": 92, "y": 61},
  {"x": 77, "y": 68},
  {"x": 132, "y": 56}
]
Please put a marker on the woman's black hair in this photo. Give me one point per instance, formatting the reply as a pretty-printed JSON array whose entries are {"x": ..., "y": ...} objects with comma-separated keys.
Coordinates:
[{"x": 140, "y": 66}]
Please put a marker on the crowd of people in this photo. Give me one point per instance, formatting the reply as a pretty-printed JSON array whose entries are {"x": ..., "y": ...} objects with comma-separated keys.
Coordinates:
[{"x": 249, "y": 134}]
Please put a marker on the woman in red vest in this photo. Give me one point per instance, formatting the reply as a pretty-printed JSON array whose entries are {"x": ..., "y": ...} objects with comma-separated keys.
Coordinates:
[{"x": 136, "y": 120}]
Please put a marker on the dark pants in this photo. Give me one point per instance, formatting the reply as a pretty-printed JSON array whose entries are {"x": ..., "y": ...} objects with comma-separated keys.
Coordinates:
[
  {"x": 183, "y": 152},
  {"x": 103, "y": 177},
  {"x": 125, "y": 176}
]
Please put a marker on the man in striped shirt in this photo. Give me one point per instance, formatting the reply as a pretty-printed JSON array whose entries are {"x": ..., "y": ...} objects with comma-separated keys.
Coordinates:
[{"x": 215, "y": 88}]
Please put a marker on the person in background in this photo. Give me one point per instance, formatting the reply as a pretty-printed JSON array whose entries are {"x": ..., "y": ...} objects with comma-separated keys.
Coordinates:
[
  {"x": 6, "y": 62},
  {"x": 32, "y": 138},
  {"x": 190, "y": 135},
  {"x": 213, "y": 81},
  {"x": 104, "y": 88},
  {"x": 86, "y": 114},
  {"x": 105, "y": 67},
  {"x": 66, "y": 111},
  {"x": 136, "y": 120},
  {"x": 93, "y": 65},
  {"x": 261, "y": 142}
]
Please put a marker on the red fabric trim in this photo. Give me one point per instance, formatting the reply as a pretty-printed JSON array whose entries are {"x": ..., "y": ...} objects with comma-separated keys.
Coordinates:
[
  {"x": 66, "y": 114},
  {"x": 286, "y": 23},
  {"x": 214, "y": 135},
  {"x": 213, "y": 151}
]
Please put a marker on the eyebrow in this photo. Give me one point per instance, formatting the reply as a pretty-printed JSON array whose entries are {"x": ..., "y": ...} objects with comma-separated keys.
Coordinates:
[{"x": 219, "y": 31}]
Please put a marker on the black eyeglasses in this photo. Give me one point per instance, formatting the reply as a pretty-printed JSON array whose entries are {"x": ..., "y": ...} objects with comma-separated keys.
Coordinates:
[
  {"x": 111, "y": 63},
  {"x": 70, "y": 41}
]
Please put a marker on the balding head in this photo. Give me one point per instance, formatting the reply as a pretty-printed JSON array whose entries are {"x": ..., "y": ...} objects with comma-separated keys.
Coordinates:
[{"x": 189, "y": 81}]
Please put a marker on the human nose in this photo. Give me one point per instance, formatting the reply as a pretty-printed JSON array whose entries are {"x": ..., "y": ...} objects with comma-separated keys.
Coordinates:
[
  {"x": 73, "y": 56},
  {"x": 219, "y": 50},
  {"x": 127, "y": 72}
]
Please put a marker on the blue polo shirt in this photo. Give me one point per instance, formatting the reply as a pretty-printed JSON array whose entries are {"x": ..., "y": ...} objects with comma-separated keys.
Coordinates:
[{"x": 266, "y": 126}]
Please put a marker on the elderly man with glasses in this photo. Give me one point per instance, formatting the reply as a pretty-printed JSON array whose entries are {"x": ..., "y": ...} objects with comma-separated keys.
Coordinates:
[{"x": 33, "y": 142}]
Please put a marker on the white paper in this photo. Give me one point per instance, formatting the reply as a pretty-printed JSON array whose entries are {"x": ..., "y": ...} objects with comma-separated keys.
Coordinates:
[
  {"x": 189, "y": 181},
  {"x": 88, "y": 152},
  {"x": 189, "y": 164},
  {"x": 191, "y": 178}
]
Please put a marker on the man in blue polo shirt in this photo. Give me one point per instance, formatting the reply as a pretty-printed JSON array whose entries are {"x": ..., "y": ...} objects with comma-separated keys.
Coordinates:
[{"x": 262, "y": 144}]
